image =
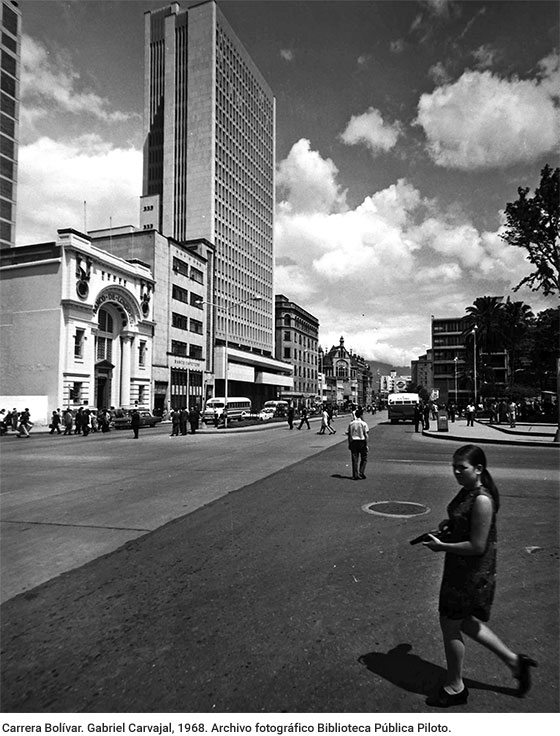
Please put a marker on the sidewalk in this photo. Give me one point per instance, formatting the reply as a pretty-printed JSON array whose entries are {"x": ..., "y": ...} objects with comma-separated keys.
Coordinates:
[{"x": 532, "y": 435}]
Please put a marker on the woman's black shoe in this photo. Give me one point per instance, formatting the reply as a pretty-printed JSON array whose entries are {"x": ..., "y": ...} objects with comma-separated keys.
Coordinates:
[
  {"x": 443, "y": 699},
  {"x": 524, "y": 676}
]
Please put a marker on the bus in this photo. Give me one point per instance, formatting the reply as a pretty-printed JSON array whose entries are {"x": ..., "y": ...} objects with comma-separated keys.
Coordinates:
[
  {"x": 401, "y": 406},
  {"x": 278, "y": 408},
  {"x": 237, "y": 408}
]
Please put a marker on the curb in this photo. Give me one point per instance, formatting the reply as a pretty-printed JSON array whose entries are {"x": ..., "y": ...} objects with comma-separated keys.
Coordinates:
[{"x": 488, "y": 440}]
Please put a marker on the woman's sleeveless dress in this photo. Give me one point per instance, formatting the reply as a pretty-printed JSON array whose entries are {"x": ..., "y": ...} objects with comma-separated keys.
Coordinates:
[{"x": 468, "y": 584}]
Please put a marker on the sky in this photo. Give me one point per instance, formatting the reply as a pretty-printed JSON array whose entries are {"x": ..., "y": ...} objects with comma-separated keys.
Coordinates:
[{"x": 403, "y": 129}]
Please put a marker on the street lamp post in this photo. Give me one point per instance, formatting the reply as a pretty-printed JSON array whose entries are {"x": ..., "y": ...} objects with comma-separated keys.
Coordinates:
[
  {"x": 474, "y": 329},
  {"x": 227, "y": 312},
  {"x": 455, "y": 359}
]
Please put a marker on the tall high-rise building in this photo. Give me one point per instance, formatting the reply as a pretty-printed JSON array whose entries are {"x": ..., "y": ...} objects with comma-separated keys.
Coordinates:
[
  {"x": 9, "y": 83},
  {"x": 209, "y": 161}
]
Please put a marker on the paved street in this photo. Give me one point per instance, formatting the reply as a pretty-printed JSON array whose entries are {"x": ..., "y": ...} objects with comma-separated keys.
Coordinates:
[{"x": 285, "y": 595}]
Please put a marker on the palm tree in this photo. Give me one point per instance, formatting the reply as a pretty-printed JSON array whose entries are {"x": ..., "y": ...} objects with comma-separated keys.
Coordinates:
[
  {"x": 516, "y": 319},
  {"x": 485, "y": 315}
]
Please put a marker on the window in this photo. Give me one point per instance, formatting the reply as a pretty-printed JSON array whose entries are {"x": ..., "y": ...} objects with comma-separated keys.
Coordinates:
[
  {"x": 196, "y": 326},
  {"x": 287, "y": 335},
  {"x": 76, "y": 391},
  {"x": 341, "y": 370},
  {"x": 105, "y": 321},
  {"x": 287, "y": 353},
  {"x": 287, "y": 320},
  {"x": 195, "y": 352},
  {"x": 179, "y": 348},
  {"x": 142, "y": 353},
  {"x": 196, "y": 300},
  {"x": 180, "y": 266},
  {"x": 104, "y": 340},
  {"x": 197, "y": 275},
  {"x": 104, "y": 348},
  {"x": 79, "y": 344},
  {"x": 179, "y": 321},
  {"x": 182, "y": 295},
  {"x": 141, "y": 394}
]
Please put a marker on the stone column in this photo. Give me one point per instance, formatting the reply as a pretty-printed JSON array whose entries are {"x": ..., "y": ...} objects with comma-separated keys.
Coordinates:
[{"x": 126, "y": 368}]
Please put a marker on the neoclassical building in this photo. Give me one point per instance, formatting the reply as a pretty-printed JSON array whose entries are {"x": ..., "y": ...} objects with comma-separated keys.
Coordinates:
[
  {"x": 77, "y": 327},
  {"x": 348, "y": 378}
]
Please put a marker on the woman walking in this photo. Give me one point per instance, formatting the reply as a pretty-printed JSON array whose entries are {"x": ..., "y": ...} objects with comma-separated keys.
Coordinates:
[{"x": 468, "y": 538}]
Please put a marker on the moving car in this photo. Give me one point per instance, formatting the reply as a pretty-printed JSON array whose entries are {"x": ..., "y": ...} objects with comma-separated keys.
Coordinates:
[
  {"x": 267, "y": 413},
  {"x": 123, "y": 418}
]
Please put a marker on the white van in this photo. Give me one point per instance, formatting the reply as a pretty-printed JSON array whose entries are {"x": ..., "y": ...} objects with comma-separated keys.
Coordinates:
[{"x": 237, "y": 407}]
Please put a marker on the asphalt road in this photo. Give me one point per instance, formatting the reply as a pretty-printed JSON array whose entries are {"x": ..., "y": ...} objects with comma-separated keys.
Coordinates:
[{"x": 285, "y": 594}]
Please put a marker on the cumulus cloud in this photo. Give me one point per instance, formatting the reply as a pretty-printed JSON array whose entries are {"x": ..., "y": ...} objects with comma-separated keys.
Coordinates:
[
  {"x": 309, "y": 181},
  {"x": 482, "y": 121},
  {"x": 386, "y": 262},
  {"x": 371, "y": 130},
  {"x": 287, "y": 54},
  {"x": 56, "y": 178},
  {"x": 48, "y": 83}
]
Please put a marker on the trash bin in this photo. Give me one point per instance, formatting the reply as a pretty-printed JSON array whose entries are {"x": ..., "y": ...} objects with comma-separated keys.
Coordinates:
[{"x": 442, "y": 421}]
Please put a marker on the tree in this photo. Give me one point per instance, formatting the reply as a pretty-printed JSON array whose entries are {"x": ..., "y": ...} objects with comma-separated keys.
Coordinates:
[
  {"x": 533, "y": 223},
  {"x": 541, "y": 353},
  {"x": 516, "y": 319},
  {"x": 486, "y": 315}
]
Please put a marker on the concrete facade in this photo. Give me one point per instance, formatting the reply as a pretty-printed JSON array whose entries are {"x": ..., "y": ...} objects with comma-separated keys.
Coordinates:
[
  {"x": 182, "y": 358},
  {"x": 209, "y": 168},
  {"x": 297, "y": 343}
]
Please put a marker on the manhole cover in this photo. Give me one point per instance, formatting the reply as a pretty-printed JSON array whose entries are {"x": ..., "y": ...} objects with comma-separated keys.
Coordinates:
[{"x": 402, "y": 509}]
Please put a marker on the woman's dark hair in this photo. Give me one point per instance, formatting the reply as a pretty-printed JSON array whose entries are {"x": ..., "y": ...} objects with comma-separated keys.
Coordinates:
[{"x": 475, "y": 456}]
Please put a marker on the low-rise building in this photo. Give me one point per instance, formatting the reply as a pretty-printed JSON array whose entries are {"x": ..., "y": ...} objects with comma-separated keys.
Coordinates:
[
  {"x": 77, "y": 327},
  {"x": 297, "y": 343}
]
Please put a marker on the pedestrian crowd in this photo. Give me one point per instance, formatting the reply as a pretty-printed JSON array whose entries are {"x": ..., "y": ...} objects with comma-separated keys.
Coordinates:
[
  {"x": 16, "y": 421},
  {"x": 181, "y": 418},
  {"x": 67, "y": 422}
]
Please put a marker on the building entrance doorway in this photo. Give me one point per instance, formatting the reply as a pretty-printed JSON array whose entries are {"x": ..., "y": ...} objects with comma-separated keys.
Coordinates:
[{"x": 103, "y": 376}]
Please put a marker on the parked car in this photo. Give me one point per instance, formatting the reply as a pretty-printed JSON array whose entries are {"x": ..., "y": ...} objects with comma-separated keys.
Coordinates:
[{"x": 122, "y": 419}]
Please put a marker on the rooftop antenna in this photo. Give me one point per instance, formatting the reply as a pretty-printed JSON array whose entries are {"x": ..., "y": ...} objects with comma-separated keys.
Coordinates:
[
  {"x": 110, "y": 230},
  {"x": 85, "y": 217}
]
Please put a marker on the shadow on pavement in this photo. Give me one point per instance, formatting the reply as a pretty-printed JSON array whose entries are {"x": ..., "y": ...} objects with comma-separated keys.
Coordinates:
[{"x": 416, "y": 675}]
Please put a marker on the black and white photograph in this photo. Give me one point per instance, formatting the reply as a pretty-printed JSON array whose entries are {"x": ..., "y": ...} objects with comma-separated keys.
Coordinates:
[{"x": 279, "y": 331}]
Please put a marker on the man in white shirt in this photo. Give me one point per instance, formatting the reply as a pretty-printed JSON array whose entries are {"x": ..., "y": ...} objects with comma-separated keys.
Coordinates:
[{"x": 358, "y": 444}]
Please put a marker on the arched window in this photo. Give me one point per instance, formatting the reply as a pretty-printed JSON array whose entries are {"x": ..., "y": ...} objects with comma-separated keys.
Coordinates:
[
  {"x": 104, "y": 339},
  {"x": 341, "y": 369},
  {"x": 287, "y": 320}
]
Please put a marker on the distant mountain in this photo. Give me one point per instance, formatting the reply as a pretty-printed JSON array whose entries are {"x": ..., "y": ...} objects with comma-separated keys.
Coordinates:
[{"x": 386, "y": 368}]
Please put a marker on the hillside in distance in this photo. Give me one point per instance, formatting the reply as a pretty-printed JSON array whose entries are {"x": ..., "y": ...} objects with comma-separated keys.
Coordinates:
[{"x": 386, "y": 368}]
